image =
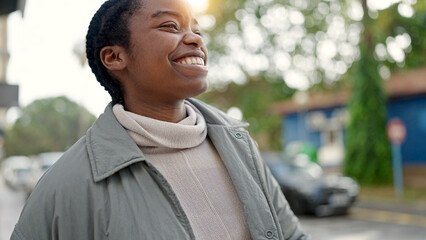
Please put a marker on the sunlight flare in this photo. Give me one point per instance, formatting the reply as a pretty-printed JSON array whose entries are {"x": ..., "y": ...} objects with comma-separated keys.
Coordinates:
[{"x": 199, "y": 6}]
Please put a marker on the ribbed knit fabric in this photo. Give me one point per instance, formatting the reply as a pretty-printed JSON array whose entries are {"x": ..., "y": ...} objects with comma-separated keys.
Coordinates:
[
  {"x": 190, "y": 163},
  {"x": 152, "y": 133}
]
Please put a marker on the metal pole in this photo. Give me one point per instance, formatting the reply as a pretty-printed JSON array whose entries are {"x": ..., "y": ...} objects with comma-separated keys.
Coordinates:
[
  {"x": 4, "y": 59},
  {"x": 397, "y": 169},
  {"x": 4, "y": 54}
]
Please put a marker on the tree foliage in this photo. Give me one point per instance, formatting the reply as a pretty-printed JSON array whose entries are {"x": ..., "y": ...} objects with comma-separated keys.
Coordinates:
[
  {"x": 391, "y": 42},
  {"x": 367, "y": 148},
  {"x": 399, "y": 41},
  {"x": 304, "y": 43},
  {"x": 262, "y": 51},
  {"x": 51, "y": 124},
  {"x": 314, "y": 52},
  {"x": 368, "y": 157}
]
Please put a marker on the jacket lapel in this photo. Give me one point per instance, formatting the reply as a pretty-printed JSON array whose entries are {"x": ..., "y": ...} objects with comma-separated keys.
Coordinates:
[
  {"x": 234, "y": 147},
  {"x": 109, "y": 146}
]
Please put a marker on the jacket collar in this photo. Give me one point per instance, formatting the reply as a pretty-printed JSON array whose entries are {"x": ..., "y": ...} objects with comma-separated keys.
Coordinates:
[{"x": 111, "y": 149}]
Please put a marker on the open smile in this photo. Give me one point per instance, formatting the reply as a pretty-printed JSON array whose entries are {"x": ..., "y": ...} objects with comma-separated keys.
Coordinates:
[
  {"x": 191, "y": 60},
  {"x": 193, "y": 66}
]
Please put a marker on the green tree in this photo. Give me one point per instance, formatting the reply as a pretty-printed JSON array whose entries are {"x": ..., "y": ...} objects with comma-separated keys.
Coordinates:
[
  {"x": 367, "y": 149},
  {"x": 51, "y": 124},
  {"x": 393, "y": 41},
  {"x": 368, "y": 157}
]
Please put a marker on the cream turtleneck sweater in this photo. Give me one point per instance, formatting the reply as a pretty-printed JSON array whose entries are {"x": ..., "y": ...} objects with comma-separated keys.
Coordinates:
[{"x": 190, "y": 163}]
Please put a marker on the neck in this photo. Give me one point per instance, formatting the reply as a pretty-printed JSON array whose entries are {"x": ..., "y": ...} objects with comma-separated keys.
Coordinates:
[{"x": 168, "y": 112}]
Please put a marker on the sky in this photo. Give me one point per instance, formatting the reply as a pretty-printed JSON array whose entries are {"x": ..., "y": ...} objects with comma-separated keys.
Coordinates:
[{"x": 41, "y": 48}]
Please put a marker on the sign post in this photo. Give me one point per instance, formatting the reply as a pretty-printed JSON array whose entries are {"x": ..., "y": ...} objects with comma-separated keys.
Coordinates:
[{"x": 397, "y": 133}]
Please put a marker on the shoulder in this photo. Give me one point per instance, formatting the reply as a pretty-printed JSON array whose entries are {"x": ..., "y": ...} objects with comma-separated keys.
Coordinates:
[
  {"x": 66, "y": 183},
  {"x": 64, "y": 177},
  {"x": 72, "y": 167}
]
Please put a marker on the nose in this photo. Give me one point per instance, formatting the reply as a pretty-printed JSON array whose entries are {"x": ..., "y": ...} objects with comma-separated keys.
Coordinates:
[{"x": 192, "y": 38}]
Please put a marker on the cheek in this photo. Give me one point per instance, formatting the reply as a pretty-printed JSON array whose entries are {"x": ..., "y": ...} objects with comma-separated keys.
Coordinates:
[
  {"x": 158, "y": 52},
  {"x": 151, "y": 54},
  {"x": 164, "y": 40}
]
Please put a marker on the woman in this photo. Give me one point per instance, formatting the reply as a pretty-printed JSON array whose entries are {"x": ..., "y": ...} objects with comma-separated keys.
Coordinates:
[{"x": 157, "y": 164}]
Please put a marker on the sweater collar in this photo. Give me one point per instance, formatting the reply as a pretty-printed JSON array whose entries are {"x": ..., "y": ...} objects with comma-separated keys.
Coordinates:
[
  {"x": 111, "y": 149},
  {"x": 150, "y": 133}
]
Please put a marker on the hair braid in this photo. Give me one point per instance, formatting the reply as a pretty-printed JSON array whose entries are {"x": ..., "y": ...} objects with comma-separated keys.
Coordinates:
[{"x": 108, "y": 27}]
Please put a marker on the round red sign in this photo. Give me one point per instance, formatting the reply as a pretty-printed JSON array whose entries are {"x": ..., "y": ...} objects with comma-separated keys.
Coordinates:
[{"x": 396, "y": 131}]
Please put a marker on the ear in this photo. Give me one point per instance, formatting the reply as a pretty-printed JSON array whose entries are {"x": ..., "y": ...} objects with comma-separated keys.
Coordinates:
[{"x": 114, "y": 57}]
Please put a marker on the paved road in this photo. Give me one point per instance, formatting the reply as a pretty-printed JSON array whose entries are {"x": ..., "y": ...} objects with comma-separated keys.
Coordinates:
[
  {"x": 11, "y": 204},
  {"x": 360, "y": 224}
]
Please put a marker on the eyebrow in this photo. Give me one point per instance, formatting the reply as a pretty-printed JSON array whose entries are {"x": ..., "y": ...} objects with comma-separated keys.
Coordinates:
[
  {"x": 159, "y": 13},
  {"x": 166, "y": 12}
]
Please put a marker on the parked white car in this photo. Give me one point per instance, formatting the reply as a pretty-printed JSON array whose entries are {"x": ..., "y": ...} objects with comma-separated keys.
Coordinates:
[
  {"x": 21, "y": 173},
  {"x": 18, "y": 172}
]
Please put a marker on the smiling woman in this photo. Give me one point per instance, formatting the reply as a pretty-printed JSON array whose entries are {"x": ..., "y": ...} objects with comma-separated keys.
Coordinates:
[{"x": 157, "y": 164}]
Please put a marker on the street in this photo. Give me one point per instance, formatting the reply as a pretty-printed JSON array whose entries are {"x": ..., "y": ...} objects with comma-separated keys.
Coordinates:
[
  {"x": 351, "y": 228},
  {"x": 361, "y": 223},
  {"x": 11, "y": 204}
]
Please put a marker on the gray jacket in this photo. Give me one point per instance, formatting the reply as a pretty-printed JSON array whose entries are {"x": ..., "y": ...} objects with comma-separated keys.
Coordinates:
[{"x": 103, "y": 187}]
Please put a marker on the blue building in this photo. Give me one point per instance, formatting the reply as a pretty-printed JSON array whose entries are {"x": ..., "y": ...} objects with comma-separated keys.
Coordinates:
[{"x": 321, "y": 118}]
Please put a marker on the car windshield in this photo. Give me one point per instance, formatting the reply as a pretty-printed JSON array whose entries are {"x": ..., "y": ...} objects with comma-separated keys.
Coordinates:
[{"x": 304, "y": 165}]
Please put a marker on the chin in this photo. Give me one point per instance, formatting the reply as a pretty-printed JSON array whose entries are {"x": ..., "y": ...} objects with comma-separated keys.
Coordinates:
[{"x": 199, "y": 89}]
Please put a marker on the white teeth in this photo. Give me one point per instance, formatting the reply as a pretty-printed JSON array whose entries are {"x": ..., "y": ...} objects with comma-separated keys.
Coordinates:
[{"x": 192, "y": 61}]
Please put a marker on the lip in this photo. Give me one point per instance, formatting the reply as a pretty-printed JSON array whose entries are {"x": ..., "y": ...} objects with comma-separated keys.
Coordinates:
[
  {"x": 190, "y": 70},
  {"x": 193, "y": 53}
]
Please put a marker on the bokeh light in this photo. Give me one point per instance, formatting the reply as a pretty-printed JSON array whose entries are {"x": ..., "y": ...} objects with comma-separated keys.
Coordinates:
[{"x": 199, "y": 5}]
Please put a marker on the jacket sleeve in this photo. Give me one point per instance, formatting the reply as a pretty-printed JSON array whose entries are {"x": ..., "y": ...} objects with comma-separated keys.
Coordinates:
[
  {"x": 16, "y": 235},
  {"x": 289, "y": 223},
  {"x": 63, "y": 203},
  {"x": 35, "y": 219}
]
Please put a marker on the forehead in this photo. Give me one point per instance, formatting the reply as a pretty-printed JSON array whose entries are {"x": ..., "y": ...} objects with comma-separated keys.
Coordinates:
[{"x": 153, "y": 9}]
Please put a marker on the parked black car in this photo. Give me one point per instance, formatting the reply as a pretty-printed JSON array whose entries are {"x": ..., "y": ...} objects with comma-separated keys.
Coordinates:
[{"x": 308, "y": 189}]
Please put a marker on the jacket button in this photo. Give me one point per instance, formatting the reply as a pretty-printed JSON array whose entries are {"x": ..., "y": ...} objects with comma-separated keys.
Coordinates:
[
  {"x": 238, "y": 135},
  {"x": 269, "y": 234}
]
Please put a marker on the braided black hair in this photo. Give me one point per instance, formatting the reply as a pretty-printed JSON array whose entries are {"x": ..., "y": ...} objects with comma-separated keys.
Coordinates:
[{"x": 109, "y": 27}]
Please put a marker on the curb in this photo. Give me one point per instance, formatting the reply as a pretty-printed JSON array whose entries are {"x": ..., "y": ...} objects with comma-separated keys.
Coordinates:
[{"x": 410, "y": 208}]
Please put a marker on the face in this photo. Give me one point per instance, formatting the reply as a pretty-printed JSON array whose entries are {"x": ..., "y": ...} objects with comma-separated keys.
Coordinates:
[{"x": 167, "y": 56}]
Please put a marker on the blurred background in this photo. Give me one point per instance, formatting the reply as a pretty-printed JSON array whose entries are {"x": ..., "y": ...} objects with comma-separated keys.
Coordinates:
[{"x": 334, "y": 91}]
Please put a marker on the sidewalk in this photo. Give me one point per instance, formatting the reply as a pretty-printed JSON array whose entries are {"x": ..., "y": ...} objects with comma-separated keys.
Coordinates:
[
  {"x": 390, "y": 212},
  {"x": 383, "y": 198},
  {"x": 380, "y": 204},
  {"x": 412, "y": 207},
  {"x": 11, "y": 204}
]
